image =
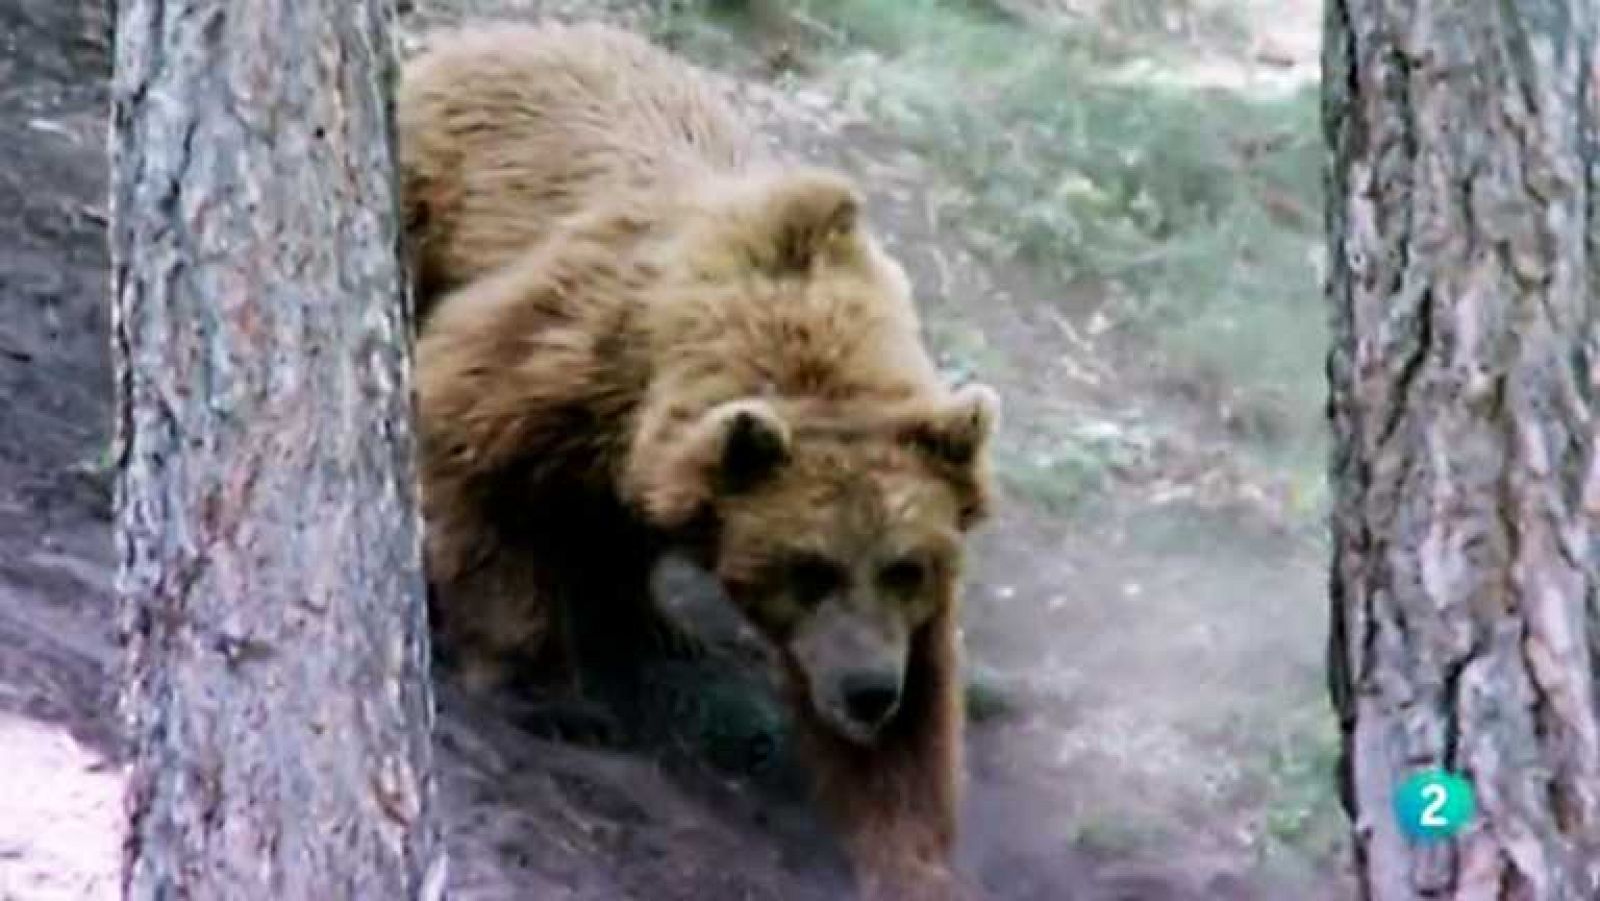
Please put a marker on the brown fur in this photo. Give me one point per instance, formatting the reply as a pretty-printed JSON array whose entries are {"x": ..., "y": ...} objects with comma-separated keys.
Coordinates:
[
  {"x": 655, "y": 336},
  {"x": 506, "y": 131}
]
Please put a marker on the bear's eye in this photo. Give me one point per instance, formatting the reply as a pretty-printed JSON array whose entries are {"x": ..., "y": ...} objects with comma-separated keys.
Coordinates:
[
  {"x": 813, "y": 578},
  {"x": 903, "y": 576}
]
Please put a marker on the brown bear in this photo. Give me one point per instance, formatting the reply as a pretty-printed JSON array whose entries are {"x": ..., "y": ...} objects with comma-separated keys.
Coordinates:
[{"x": 644, "y": 333}]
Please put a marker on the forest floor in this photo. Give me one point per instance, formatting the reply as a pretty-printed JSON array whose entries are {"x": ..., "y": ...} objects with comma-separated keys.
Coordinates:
[{"x": 1111, "y": 213}]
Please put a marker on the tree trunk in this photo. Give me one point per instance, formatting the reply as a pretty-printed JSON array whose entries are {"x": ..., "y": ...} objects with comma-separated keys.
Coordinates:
[
  {"x": 1465, "y": 620},
  {"x": 267, "y": 527}
]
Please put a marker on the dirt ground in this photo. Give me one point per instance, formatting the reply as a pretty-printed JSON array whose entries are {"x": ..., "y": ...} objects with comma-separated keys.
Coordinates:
[{"x": 1120, "y": 728}]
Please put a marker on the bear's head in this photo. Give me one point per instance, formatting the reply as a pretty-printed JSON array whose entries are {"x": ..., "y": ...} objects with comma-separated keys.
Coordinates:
[
  {"x": 833, "y": 505},
  {"x": 841, "y": 539}
]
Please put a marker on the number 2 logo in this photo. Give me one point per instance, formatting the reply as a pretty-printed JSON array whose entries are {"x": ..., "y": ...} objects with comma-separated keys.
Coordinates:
[
  {"x": 1433, "y": 805},
  {"x": 1436, "y": 796}
]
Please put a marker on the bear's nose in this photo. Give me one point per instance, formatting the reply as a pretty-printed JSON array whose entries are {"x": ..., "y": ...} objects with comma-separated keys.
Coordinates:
[{"x": 869, "y": 698}]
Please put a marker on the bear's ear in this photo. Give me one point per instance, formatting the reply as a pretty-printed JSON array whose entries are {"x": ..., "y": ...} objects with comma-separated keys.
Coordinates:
[
  {"x": 953, "y": 438},
  {"x": 751, "y": 442},
  {"x": 957, "y": 431},
  {"x": 732, "y": 447},
  {"x": 804, "y": 216}
]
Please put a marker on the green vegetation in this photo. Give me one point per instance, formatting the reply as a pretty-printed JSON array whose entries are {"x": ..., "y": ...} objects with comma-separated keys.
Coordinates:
[
  {"x": 1302, "y": 812},
  {"x": 1193, "y": 213},
  {"x": 1119, "y": 833},
  {"x": 1069, "y": 465}
]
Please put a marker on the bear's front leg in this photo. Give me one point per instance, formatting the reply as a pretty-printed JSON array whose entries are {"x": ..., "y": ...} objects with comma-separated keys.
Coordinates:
[
  {"x": 499, "y": 606},
  {"x": 896, "y": 800},
  {"x": 494, "y": 615},
  {"x": 542, "y": 634},
  {"x": 613, "y": 625}
]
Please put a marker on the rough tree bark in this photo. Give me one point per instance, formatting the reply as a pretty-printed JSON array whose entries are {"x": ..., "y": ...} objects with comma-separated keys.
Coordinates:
[
  {"x": 1465, "y": 620},
  {"x": 269, "y": 542}
]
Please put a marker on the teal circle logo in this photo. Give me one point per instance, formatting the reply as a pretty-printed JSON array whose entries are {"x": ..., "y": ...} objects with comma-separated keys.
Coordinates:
[{"x": 1434, "y": 805}]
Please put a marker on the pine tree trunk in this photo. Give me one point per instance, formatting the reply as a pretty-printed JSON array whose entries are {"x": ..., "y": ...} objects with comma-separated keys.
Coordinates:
[
  {"x": 267, "y": 530},
  {"x": 1465, "y": 618}
]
